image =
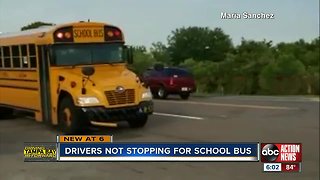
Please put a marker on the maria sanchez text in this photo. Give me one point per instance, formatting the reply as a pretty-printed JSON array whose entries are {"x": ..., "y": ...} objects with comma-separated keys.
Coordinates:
[{"x": 246, "y": 15}]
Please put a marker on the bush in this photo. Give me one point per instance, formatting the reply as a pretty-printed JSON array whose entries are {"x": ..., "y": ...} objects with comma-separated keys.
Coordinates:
[
  {"x": 312, "y": 80},
  {"x": 284, "y": 76},
  {"x": 142, "y": 61},
  {"x": 205, "y": 74}
]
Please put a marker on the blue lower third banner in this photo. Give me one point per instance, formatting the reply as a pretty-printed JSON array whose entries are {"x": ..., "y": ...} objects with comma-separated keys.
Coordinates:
[{"x": 158, "y": 152}]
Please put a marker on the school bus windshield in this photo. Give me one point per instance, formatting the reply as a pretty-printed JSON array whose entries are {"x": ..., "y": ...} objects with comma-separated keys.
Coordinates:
[{"x": 82, "y": 54}]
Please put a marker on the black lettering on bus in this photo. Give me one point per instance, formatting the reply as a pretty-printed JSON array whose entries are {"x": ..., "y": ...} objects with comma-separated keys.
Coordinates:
[
  {"x": 98, "y": 33},
  {"x": 86, "y": 33},
  {"x": 76, "y": 33}
]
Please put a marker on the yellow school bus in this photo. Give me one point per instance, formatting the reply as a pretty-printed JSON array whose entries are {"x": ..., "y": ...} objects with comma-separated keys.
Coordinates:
[{"x": 72, "y": 75}]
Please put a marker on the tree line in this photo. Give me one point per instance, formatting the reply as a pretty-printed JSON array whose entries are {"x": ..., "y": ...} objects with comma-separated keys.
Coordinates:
[{"x": 252, "y": 67}]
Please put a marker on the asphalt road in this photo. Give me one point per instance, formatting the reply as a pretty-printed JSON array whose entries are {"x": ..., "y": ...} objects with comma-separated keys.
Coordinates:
[{"x": 206, "y": 119}]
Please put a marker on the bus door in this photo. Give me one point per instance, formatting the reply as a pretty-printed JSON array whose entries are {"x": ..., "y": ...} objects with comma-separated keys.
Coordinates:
[{"x": 44, "y": 83}]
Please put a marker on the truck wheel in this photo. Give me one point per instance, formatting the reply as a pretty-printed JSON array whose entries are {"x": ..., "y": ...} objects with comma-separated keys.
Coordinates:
[
  {"x": 6, "y": 113},
  {"x": 185, "y": 96},
  {"x": 154, "y": 94},
  {"x": 71, "y": 119},
  {"x": 138, "y": 122},
  {"x": 162, "y": 93}
]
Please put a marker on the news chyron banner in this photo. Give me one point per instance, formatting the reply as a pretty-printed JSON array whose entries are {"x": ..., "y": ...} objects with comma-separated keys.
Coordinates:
[
  {"x": 276, "y": 157},
  {"x": 102, "y": 148},
  {"x": 158, "y": 152},
  {"x": 281, "y": 157}
]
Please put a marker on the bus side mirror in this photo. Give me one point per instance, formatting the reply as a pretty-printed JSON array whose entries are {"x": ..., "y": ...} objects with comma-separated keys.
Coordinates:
[{"x": 129, "y": 54}]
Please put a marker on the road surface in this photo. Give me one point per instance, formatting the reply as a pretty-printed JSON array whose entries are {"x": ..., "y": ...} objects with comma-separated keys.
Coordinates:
[{"x": 201, "y": 119}]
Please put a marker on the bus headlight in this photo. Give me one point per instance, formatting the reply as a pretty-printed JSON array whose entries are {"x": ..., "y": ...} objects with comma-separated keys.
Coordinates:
[
  {"x": 87, "y": 100},
  {"x": 146, "y": 95}
]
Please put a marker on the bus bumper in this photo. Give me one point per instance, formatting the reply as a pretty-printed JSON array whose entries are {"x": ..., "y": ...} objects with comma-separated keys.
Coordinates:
[{"x": 102, "y": 114}]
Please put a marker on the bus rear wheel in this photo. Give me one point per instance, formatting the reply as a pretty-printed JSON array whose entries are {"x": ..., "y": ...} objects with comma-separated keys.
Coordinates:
[
  {"x": 6, "y": 113},
  {"x": 71, "y": 119}
]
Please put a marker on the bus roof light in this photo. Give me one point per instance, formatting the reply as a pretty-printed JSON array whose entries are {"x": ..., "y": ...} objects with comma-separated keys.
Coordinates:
[
  {"x": 117, "y": 33},
  {"x": 67, "y": 35},
  {"x": 64, "y": 34},
  {"x": 60, "y": 35},
  {"x": 110, "y": 34}
]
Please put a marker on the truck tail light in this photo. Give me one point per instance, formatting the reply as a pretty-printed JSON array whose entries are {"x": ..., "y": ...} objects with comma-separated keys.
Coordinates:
[{"x": 171, "y": 81}]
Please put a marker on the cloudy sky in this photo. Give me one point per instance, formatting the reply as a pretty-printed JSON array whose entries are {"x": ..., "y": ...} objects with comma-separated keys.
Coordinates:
[{"x": 147, "y": 21}]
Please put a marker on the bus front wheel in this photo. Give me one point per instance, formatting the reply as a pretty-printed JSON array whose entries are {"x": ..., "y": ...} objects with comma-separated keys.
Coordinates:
[{"x": 71, "y": 119}]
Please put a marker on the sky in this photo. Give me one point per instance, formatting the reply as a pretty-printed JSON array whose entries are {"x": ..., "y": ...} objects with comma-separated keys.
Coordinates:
[{"x": 145, "y": 21}]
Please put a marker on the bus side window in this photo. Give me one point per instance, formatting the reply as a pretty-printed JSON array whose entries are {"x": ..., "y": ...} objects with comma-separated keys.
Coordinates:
[
  {"x": 6, "y": 57},
  {"x": 16, "y": 62},
  {"x": 24, "y": 54},
  {"x": 1, "y": 57},
  {"x": 33, "y": 56}
]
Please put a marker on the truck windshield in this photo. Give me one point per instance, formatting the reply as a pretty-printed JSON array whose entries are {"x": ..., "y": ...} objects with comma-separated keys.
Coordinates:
[{"x": 84, "y": 54}]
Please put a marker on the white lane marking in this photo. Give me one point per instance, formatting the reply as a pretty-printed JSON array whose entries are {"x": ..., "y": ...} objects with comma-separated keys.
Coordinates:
[
  {"x": 232, "y": 105},
  {"x": 266, "y": 98},
  {"x": 179, "y": 116}
]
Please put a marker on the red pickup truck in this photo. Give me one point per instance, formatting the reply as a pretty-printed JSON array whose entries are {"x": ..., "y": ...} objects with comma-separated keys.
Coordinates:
[{"x": 169, "y": 80}]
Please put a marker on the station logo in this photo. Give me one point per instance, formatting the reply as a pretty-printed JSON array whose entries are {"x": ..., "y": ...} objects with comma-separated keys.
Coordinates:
[
  {"x": 281, "y": 152},
  {"x": 270, "y": 152}
]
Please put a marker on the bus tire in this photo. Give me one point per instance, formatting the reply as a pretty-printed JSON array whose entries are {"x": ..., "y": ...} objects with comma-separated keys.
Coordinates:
[
  {"x": 138, "y": 122},
  {"x": 72, "y": 120},
  {"x": 6, "y": 113}
]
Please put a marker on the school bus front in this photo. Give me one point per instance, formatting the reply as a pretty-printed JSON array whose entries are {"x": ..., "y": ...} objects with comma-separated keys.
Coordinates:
[
  {"x": 89, "y": 66},
  {"x": 84, "y": 78}
]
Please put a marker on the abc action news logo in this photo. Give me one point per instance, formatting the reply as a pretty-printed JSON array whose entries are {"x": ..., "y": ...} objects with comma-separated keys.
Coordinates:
[{"x": 281, "y": 152}]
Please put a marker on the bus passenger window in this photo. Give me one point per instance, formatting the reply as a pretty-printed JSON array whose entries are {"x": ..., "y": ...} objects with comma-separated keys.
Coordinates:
[
  {"x": 33, "y": 62},
  {"x": 24, "y": 55},
  {"x": 16, "y": 57},
  {"x": 32, "y": 55},
  {"x": 32, "y": 50},
  {"x": 6, "y": 55}
]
